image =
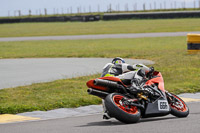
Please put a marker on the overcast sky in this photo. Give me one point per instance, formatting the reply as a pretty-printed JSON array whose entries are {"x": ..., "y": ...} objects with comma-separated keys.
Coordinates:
[{"x": 8, "y": 7}]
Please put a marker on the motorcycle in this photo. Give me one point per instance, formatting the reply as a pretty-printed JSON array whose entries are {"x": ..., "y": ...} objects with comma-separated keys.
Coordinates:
[{"x": 130, "y": 106}]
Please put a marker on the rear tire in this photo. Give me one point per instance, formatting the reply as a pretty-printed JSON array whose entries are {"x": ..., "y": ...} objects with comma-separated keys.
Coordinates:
[
  {"x": 179, "y": 108},
  {"x": 115, "y": 109}
]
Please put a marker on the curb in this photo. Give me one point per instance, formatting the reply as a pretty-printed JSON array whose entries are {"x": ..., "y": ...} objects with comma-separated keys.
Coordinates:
[{"x": 73, "y": 112}]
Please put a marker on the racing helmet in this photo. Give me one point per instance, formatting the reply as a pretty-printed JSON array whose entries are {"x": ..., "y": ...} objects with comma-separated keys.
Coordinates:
[{"x": 118, "y": 60}]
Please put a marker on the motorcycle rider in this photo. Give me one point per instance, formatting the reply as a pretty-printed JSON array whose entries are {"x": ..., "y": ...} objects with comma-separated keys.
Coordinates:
[
  {"x": 124, "y": 71},
  {"x": 129, "y": 74}
]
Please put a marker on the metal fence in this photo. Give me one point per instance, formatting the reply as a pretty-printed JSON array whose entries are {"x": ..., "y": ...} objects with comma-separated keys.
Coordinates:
[{"x": 112, "y": 7}]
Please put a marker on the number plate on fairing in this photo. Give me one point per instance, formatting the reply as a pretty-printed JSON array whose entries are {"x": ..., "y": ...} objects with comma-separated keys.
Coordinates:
[{"x": 163, "y": 105}]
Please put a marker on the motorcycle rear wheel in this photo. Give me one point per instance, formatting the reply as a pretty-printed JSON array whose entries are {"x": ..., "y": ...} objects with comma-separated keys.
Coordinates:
[
  {"x": 122, "y": 113},
  {"x": 179, "y": 108}
]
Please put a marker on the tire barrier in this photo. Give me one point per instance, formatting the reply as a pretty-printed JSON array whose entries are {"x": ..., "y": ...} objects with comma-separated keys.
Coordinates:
[
  {"x": 193, "y": 43},
  {"x": 52, "y": 19},
  {"x": 111, "y": 16},
  {"x": 152, "y": 15}
]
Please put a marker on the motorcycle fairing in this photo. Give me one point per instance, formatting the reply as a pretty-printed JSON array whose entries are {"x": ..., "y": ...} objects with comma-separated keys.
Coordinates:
[
  {"x": 157, "y": 79},
  {"x": 159, "y": 107}
]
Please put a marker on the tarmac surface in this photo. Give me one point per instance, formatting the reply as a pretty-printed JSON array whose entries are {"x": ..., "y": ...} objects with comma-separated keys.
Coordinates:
[
  {"x": 89, "y": 110},
  {"x": 100, "y": 36},
  {"x": 94, "y": 123},
  {"x": 20, "y": 72}
]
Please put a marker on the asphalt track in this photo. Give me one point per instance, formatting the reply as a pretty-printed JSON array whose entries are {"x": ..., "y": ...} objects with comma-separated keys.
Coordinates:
[
  {"x": 100, "y": 36},
  {"x": 20, "y": 72},
  {"x": 95, "y": 124}
]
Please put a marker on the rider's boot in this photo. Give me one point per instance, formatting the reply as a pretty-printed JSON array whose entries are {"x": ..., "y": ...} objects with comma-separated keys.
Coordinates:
[{"x": 105, "y": 114}]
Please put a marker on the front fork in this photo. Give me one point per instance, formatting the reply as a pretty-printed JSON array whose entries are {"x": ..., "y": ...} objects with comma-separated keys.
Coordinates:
[{"x": 171, "y": 99}]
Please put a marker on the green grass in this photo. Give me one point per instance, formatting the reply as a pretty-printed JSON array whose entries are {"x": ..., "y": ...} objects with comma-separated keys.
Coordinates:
[
  {"x": 148, "y": 48},
  {"x": 100, "y": 27},
  {"x": 180, "y": 70},
  {"x": 46, "y": 96}
]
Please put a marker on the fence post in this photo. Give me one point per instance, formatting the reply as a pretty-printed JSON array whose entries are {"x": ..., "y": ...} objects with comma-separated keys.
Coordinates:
[
  {"x": 29, "y": 12},
  {"x": 45, "y": 11},
  {"x": 174, "y": 4},
  {"x": 144, "y": 7},
  {"x": 199, "y": 4},
  {"x": 160, "y": 5},
  {"x": 150, "y": 6},
  {"x": 184, "y": 5},
  {"x": 54, "y": 11},
  {"x": 62, "y": 11},
  {"x": 98, "y": 8},
  {"x": 89, "y": 9},
  {"x": 77, "y": 9},
  {"x": 19, "y": 13},
  {"x": 57, "y": 11},
  {"x": 164, "y": 4},
  {"x": 136, "y": 6},
  {"x": 84, "y": 10},
  {"x": 40, "y": 12}
]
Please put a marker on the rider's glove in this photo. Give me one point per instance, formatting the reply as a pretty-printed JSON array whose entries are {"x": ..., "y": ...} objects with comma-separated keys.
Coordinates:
[{"x": 149, "y": 74}]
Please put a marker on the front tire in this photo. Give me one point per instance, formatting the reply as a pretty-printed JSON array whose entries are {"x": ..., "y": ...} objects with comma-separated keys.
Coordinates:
[
  {"x": 124, "y": 114},
  {"x": 178, "y": 107}
]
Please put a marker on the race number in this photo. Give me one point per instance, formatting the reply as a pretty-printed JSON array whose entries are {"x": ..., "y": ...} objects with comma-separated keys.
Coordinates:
[{"x": 163, "y": 105}]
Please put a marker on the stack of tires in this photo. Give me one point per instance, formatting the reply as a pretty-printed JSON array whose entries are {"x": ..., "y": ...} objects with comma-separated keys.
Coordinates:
[{"x": 193, "y": 43}]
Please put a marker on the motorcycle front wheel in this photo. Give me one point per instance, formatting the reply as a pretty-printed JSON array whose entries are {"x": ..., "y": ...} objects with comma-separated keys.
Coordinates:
[
  {"x": 178, "y": 106},
  {"x": 125, "y": 114}
]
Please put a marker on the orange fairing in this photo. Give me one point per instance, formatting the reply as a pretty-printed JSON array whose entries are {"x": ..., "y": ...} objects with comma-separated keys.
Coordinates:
[
  {"x": 90, "y": 83},
  {"x": 159, "y": 80}
]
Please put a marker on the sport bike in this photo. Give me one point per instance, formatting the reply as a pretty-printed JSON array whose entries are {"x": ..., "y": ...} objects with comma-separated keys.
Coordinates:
[{"x": 130, "y": 106}]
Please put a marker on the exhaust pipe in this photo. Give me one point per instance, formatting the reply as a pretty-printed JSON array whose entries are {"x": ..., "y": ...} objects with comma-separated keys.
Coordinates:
[
  {"x": 98, "y": 93},
  {"x": 106, "y": 83},
  {"x": 110, "y": 84}
]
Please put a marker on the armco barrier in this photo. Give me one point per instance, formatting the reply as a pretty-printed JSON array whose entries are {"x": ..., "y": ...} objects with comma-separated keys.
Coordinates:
[{"x": 193, "y": 43}]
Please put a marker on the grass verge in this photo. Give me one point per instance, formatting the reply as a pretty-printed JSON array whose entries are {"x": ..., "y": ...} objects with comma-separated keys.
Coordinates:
[
  {"x": 180, "y": 71},
  {"x": 100, "y": 27},
  {"x": 47, "y": 96}
]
